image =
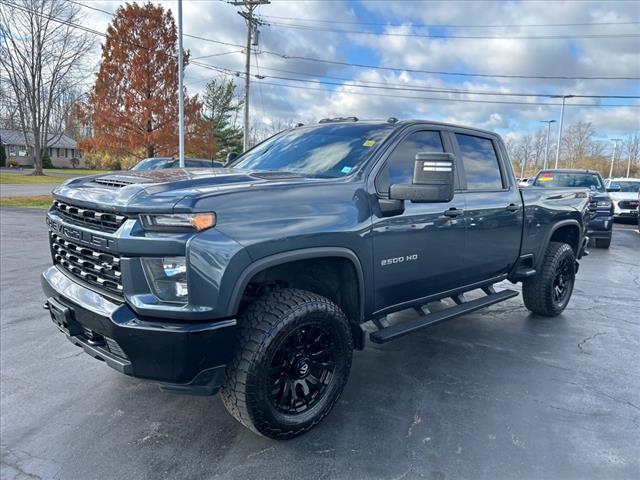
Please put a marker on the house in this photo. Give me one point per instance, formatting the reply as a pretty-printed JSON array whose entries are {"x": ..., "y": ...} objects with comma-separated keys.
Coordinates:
[{"x": 62, "y": 149}]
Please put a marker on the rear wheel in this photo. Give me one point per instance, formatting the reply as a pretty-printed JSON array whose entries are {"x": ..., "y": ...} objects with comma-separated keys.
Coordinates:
[
  {"x": 549, "y": 291},
  {"x": 292, "y": 362},
  {"x": 603, "y": 242}
]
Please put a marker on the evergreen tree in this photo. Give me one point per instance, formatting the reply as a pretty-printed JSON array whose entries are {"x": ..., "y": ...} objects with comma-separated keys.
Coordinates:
[{"x": 219, "y": 111}]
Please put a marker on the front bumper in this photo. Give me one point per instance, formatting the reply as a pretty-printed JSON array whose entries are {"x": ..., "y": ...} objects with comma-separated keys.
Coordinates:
[
  {"x": 186, "y": 357},
  {"x": 600, "y": 225}
]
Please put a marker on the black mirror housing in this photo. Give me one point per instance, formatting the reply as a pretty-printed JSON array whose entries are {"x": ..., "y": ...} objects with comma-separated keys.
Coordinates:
[
  {"x": 231, "y": 156},
  {"x": 433, "y": 180}
]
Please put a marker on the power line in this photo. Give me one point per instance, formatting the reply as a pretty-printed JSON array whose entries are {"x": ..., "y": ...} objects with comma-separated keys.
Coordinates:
[
  {"x": 465, "y": 100},
  {"x": 458, "y": 37},
  {"x": 423, "y": 88},
  {"x": 216, "y": 54},
  {"x": 434, "y": 25},
  {"x": 387, "y": 68}
]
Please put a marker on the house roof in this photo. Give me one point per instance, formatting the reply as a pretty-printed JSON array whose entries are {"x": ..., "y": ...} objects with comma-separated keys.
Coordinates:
[{"x": 15, "y": 137}]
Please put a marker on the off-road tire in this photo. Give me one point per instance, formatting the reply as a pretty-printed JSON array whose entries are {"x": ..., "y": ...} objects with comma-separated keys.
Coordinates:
[
  {"x": 603, "y": 242},
  {"x": 538, "y": 291},
  {"x": 263, "y": 328}
]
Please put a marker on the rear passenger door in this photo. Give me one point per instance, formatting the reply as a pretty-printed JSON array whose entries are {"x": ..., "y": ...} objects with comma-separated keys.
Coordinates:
[{"x": 493, "y": 214}]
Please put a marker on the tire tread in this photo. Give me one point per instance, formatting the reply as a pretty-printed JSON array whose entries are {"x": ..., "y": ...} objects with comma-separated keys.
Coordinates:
[
  {"x": 536, "y": 293},
  {"x": 258, "y": 324}
]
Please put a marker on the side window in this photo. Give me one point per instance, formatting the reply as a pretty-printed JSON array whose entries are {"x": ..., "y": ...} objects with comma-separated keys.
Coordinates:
[
  {"x": 400, "y": 164},
  {"x": 480, "y": 163}
]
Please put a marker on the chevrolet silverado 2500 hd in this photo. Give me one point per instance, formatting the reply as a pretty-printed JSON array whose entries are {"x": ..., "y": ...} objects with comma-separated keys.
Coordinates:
[{"x": 255, "y": 280}]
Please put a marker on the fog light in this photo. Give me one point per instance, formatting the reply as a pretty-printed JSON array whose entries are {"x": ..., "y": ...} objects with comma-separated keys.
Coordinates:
[{"x": 168, "y": 278}]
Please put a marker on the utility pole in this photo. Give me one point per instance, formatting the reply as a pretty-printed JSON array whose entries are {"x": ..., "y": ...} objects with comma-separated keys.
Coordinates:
[
  {"x": 613, "y": 155},
  {"x": 564, "y": 98},
  {"x": 546, "y": 148},
  {"x": 180, "y": 89},
  {"x": 252, "y": 28}
]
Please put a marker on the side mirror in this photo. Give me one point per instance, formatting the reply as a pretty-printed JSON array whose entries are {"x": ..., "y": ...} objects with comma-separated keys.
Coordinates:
[
  {"x": 433, "y": 177},
  {"x": 614, "y": 187},
  {"x": 231, "y": 156}
]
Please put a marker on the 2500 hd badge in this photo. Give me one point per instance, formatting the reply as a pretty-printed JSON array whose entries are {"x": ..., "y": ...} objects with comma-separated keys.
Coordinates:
[{"x": 392, "y": 261}]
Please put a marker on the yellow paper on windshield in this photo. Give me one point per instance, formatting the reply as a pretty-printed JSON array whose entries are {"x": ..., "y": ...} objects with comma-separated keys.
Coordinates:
[{"x": 369, "y": 143}]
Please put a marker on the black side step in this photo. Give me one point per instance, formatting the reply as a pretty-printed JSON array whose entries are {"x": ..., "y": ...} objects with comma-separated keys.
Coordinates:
[{"x": 396, "y": 331}]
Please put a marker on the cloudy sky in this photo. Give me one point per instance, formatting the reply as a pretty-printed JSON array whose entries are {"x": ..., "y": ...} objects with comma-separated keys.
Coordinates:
[{"x": 408, "y": 39}]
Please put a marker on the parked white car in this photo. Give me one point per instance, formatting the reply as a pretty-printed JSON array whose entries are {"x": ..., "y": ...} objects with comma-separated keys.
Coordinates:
[{"x": 625, "y": 195}]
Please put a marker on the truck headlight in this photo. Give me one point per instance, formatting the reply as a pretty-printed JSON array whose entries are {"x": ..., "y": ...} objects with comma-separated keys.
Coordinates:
[
  {"x": 168, "y": 278},
  {"x": 177, "y": 222},
  {"x": 604, "y": 203}
]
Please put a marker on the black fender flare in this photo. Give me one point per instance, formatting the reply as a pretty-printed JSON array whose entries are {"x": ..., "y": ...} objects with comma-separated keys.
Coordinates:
[
  {"x": 555, "y": 227},
  {"x": 261, "y": 264}
]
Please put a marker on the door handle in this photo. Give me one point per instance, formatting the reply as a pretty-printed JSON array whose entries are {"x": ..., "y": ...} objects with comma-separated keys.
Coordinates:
[
  {"x": 453, "y": 212},
  {"x": 512, "y": 207}
]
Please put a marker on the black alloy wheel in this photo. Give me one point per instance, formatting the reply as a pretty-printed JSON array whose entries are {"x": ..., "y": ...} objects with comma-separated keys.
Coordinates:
[{"x": 302, "y": 369}]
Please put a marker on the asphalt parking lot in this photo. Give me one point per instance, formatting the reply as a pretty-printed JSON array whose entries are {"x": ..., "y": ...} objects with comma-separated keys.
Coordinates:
[{"x": 497, "y": 394}]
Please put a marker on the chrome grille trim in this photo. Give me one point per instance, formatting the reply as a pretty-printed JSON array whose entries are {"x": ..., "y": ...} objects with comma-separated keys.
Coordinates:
[
  {"x": 90, "y": 218},
  {"x": 97, "y": 268}
]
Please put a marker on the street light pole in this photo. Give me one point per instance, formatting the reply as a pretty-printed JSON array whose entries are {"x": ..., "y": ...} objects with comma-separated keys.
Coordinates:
[
  {"x": 613, "y": 155},
  {"x": 546, "y": 148},
  {"x": 564, "y": 97},
  {"x": 180, "y": 88}
]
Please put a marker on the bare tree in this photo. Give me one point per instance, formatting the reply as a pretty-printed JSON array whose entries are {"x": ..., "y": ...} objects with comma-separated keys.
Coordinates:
[
  {"x": 41, "y": 51},
  {"x": 631, "y": 149},
  {"x": 539, "y": 145},
  {"x": 262, "y": 131},
  {"x": 577, "y": 142}
]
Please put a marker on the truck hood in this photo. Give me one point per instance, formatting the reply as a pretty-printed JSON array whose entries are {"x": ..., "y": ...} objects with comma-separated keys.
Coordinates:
[
  {"x": 618, "y": 196},
  {"x": 160, "y": 190}
]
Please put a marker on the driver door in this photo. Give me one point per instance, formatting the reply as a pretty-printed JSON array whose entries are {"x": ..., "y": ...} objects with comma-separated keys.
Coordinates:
[{"x": 418, "y": 252}]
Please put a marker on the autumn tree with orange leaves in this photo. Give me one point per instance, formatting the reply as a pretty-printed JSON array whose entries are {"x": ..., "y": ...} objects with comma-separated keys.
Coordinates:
[{"x": 133, "y": 107}]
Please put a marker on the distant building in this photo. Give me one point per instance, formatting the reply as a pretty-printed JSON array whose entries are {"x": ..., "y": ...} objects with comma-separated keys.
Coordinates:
[{"x": 61, "y": 151}]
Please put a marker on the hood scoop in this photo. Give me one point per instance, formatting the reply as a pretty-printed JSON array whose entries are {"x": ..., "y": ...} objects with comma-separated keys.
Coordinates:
[{"x": 119, "y": 181}]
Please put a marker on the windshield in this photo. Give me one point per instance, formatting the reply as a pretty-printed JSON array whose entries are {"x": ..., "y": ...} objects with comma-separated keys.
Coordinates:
[
  {"x": 569, "y": 180},
  {"x": 332, "y": 150},
  {"x": 628, "y": 186},
  {"x": 154, "y": 164}
]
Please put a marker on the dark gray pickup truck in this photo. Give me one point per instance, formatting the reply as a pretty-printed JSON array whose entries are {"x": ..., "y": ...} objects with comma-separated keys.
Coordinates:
[{"x": 255, "y": 280}]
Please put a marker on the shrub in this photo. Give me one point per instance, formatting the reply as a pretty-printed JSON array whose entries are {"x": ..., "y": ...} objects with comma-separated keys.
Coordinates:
[
  {"x": 46, "y": 160},
  {"x": 74, "y": 162},
  {"x": 13, "y": 164},
  {"x": 3, "y": 156}
]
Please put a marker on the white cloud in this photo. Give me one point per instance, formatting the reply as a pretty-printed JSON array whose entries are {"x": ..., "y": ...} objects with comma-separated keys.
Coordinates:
[{"x": 551, "y": 57}]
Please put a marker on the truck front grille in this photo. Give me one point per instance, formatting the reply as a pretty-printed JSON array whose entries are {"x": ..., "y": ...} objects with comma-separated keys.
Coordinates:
[
  {"x": 628, "y": 204},
  {"x": 95, "y": 267},
  {"x": 90, "y": 218}
]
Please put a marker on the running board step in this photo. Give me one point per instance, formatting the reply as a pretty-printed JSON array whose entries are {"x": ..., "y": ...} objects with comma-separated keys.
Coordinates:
[{"x": 396, "y": 331}]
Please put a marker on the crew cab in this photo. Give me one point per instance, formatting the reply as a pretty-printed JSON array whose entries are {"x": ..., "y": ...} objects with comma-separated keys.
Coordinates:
[
  {"x": 255, "y": 280},
  {"x": 600, "y": 227}
]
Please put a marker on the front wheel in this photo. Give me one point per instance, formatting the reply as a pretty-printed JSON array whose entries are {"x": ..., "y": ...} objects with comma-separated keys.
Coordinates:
[
  {"x": 291, "y": 364},
  {"x": 549, "y": 291}
]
